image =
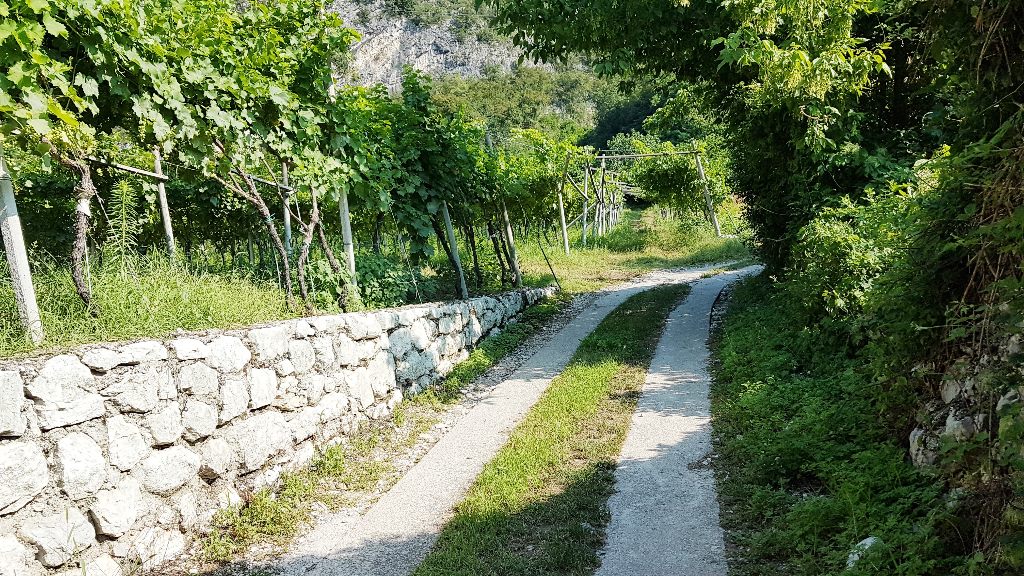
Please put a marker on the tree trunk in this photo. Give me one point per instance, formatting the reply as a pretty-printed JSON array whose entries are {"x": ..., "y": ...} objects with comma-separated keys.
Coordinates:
[
  {"x": 84, "y": 193},
  {"x": 307, "y": 241},
  {"x": 442, "y": 240},
  {"x": 492, "y": 232}
]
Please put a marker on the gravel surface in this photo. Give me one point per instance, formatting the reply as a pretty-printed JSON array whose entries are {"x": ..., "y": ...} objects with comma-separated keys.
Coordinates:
[
  {"x": 393, "y": 534},
  {"x": 664, "y": 514}
]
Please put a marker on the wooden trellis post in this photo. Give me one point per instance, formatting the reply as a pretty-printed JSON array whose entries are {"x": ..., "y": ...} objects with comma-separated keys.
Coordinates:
[
  {"x": 454, "y": 244},
  {"x": 165, "y": 210},
  {"x": 511, "y": 245},
  {"x": 586, "y": 205},
  {"x": 17, "y": 257},
  {"x": 707, "y": 195}
]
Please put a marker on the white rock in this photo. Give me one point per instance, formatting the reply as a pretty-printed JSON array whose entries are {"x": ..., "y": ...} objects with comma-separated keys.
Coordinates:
[
  {"x": 362, "y": 326},
  {"x": 154, "y": 547},
  {"x": 12, "y": 402},
  {"x": 81, "y": 408},
  {"x": 102, "y": 565},
  {"x": 14, "y": 557},
  {"x": 284, "y": 367},
  {"x": 114, "y": 511},
  {"x": 164, "y": 471},
  {"x": 135, "y": 391},
  {"x": 313, "y": 387},
  {"x": 415, "y": 365},
  {"x": 386, "y": 320},
  {"x": 361, "y": 389},
  {"x": 188, "y": 508},
  {"x": 102, "y": 359},
  {"x": 859, "y": 550},
  {"x": 258, "y": 439},
  {"x": 401, "y": 341},
  {"x": 189, "y": 349},
  {"x": 125, "y": 443},
  {"x": 228, "y": 497},
  {"x": 269, "y": 343},
  {"x": 327, "y": 324},
  {"x": 23, "y": 474},
  {"x": 60, "y": 536},
  {"x": 301, "y": 328},
  {"x": 165, "y": 424},
  {"x": 304, "y": 423},
  {"x": 302, "y": 355},
  {"x": 262, "y": 387},
  {"x": 407, "y": 316},
  {"x": 168, "y": 389},
  {"x": 228, "y": 354},
  {"x": 199, "y": 419},
  {"x": 80, "y": 465},
  {"x": 234, "y": 399},
  {"x": 324, "y": 348},
  {"x": 199, "y": 379},
  {"x": 346, "y": 350},
  {"x": 146, "y": 351},
  {"x": 59, "y": 375},
  {"x": 218, "y": 457}
]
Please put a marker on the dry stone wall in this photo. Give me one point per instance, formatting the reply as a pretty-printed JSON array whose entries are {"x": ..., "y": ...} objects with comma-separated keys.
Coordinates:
[{"x": 112, "y": 455}]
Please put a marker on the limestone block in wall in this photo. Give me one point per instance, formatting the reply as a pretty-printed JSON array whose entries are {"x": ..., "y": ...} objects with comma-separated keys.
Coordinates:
[
  {"x": 262, "y": 387},
  {"x": 301, "y": 328},
  {"x": 327, "y": 324},
  {"x": 402, "y": 341},
  {"x": 258, "y": 438},
  {"x": 164, "y": 471},
  {"x": 199, "y": 379},
  {"x": 199, "y": 419},
  {"x": 217, "y": 457},
  {"x": 346, "y": 350},
  {"x": 414, "y": 365},
  {"x": 360, "y": 388},
  {"x": 387, "y": 320},
  {"x": 361, "y": 326},
  {"x": 302, "y": 355},
  {"x": 154, "y": 547},
  {"x": 474, "y": 331},
  {"x": 81, "y": 468},
  {"x": 58, "y": 537},
  {"x": 114, "y": 511},
  {"x": 62, "y": 395},
  {"x": 102, "y": 359},
  {"x": 323, "y": 347},
  {"x": 23, "y": 474},
  {"x": 380, "y": 372},
  {"x": 304, "y": 423},
  {"x": 102, "y": 565},
  {"x": 12, "y": 404},
  {"x": 146, "y": 351},
  {"x": 134, "y": 391},
  {"x": 15, "y": 558},
  {"x": 312, "y": 387},
  {"x": 187, "y": 505},
  {"x": 228, "y": 354},
  {"x": 234, "y": 399},
  {"x": 165, "y": 424},
  {"x": 189, "y": 349},
  {"x": 126, "y": 444},
  {"x": 269, "y": 343},
  {"x": 406, "y": 316}
]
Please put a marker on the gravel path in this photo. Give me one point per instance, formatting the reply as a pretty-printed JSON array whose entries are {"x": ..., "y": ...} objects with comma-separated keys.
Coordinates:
[
  {"x": 398, "y": 531},
  {"x": 665, "y": 511}
]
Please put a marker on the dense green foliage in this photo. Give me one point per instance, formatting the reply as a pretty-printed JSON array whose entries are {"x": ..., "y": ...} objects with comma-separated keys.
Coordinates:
[{"x": 876, "y": 148}]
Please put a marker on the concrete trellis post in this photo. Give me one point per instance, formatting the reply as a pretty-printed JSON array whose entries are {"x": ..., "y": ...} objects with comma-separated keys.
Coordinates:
[
  {"x": 561, "y": 206},
  {"x": 286, "y": 213},
  {"x": 165, "y": 210},
  {"x": 17, "y": 257},
  {"x": 346, "y": 233},
  {"x": 586, "y": 205}
]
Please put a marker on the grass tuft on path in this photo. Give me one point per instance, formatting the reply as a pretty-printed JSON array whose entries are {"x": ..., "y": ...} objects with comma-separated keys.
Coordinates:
[{"x": 539, "y": 507}]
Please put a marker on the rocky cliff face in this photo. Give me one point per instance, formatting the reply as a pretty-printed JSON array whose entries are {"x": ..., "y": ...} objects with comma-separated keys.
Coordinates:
[{"x": 390, "y": 42}]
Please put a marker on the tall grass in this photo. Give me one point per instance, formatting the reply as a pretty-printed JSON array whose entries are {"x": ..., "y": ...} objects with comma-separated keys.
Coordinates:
[
  {"x": 643, "y": 241},
  {"x": 136, "y": 297}
]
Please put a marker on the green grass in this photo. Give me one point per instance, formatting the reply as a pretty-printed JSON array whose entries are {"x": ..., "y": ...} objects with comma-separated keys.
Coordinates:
[
  {"x": 806, "y": 466},
  {"x": 643, "y": 241},
  {"x": 539, "y": 506},
  {"x": 147, "y": 297}
]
